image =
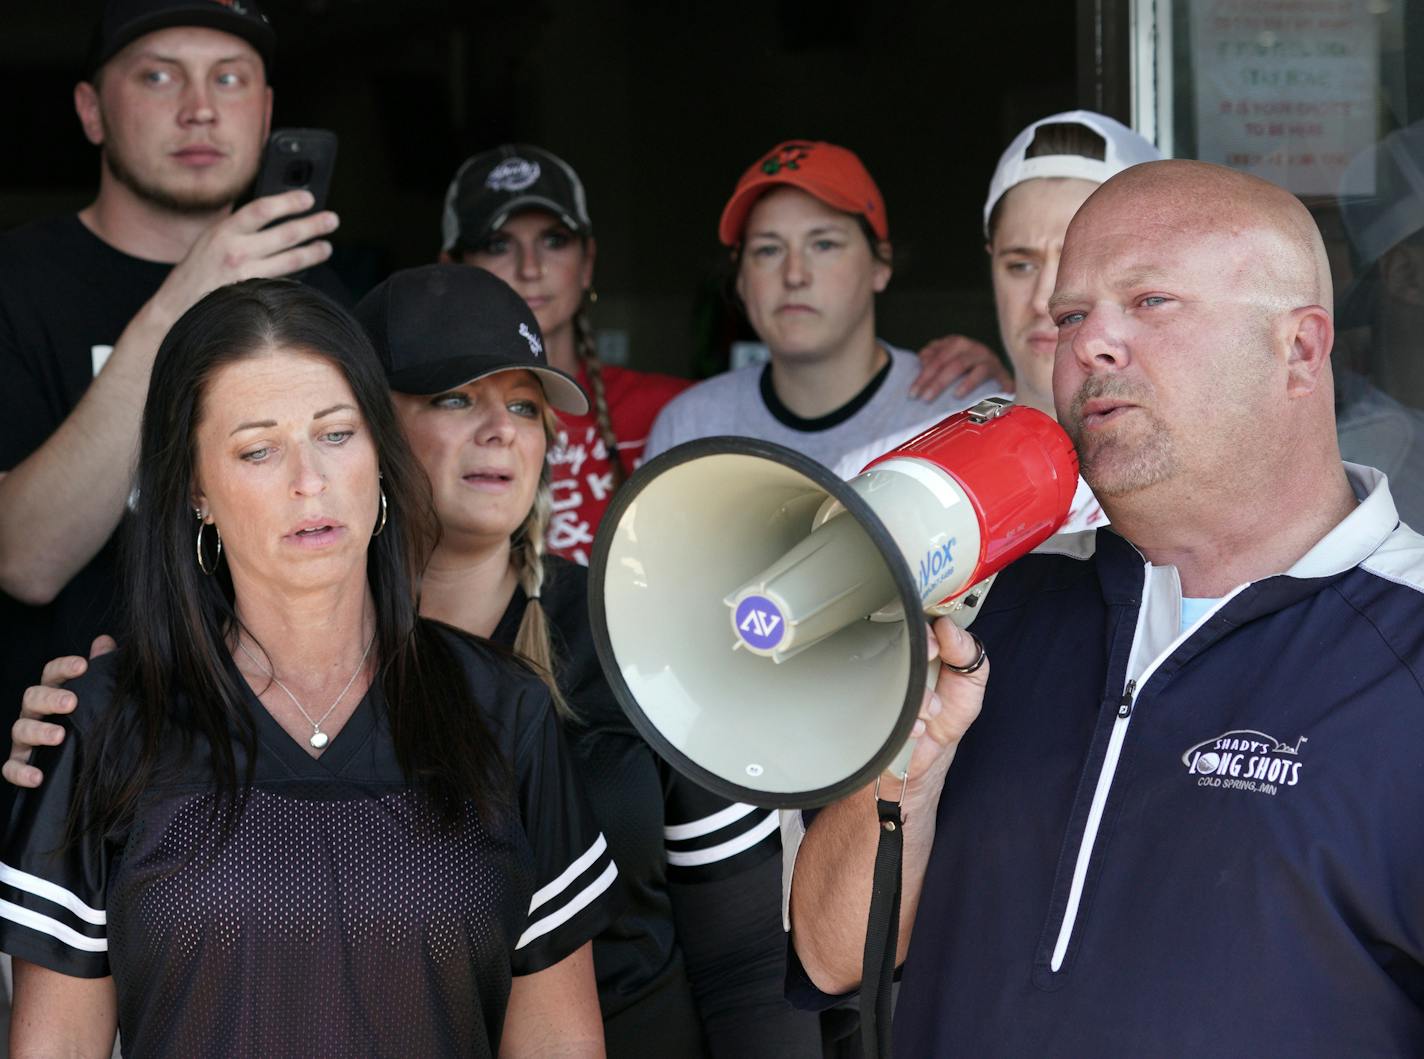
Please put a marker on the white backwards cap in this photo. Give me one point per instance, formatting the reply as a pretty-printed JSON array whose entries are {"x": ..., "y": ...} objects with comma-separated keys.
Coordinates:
[{"x": 1124, "y": 148}]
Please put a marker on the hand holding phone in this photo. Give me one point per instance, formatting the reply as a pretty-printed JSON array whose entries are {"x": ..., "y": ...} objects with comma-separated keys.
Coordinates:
[{"x": 281, "y": 231}]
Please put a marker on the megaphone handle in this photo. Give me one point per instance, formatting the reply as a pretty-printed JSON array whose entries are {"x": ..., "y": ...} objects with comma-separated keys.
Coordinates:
[{"x": 882, "y": 931}]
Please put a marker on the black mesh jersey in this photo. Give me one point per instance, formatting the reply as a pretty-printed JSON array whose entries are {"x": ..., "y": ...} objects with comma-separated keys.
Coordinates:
[
  {"x": 340, "y": 919},
  {"x": 663, "y": 830}
]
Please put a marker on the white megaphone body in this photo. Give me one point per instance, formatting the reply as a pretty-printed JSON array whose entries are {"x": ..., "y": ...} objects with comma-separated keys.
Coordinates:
[{"x": 760, "y": 620}]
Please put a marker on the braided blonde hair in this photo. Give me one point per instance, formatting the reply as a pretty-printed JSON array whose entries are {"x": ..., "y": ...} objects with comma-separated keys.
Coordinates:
[
  {"x": 586, "y": 349},
  {"x": 526, "y": 553}
]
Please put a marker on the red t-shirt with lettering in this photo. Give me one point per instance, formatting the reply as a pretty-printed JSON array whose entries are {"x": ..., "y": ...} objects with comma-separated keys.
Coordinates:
[{"x": 582, "y": 474}]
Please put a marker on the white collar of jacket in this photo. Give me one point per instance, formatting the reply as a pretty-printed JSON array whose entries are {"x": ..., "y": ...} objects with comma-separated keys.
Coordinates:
[
  {"x": 1357, "y": 536},
  {"x": 1371, "y": 536}
]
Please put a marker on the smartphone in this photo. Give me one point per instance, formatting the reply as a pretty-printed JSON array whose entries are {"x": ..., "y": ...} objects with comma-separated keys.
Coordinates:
[{"x": 296, "y": 159}]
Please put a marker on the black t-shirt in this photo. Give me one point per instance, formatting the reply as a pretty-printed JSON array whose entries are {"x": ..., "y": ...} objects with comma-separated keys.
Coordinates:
[
  {"x": 65, "y": 297},
  {"x": 339, "y": 919},
  {"x": 662, "y": 829}
]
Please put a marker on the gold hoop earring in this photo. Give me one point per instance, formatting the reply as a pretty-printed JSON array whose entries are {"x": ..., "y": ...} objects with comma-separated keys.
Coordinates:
[
  {"x": 382, "y": 525},
  {"x": 216, "y": 558}
]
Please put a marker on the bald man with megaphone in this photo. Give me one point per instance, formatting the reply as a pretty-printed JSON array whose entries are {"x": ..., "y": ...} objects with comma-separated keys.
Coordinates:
[{"x": 1182, "y": 813}]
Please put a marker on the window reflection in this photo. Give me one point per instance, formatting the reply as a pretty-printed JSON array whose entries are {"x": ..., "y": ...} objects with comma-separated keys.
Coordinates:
[{"x": 1379, "y": 366}]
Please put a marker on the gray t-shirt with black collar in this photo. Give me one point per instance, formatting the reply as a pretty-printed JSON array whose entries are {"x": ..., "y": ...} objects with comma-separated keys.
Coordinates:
[{"x": 742, "y": 403}]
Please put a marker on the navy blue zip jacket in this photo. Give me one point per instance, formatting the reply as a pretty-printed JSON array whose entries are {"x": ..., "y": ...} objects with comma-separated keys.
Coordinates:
[{"x": 1212, "y": 842}]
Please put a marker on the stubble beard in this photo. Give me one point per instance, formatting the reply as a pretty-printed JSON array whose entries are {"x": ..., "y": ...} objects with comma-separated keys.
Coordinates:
[
  {"x": 1131, "y": 457},
  {"x": 185, "y": 203}
]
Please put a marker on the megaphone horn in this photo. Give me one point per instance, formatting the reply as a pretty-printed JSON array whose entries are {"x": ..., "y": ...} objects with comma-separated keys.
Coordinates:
[{"x": 759, "y": 619}]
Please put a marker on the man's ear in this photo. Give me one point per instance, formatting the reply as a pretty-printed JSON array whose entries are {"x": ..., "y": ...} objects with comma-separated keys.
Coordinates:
[
  {"x": 1309, "y": 334},
  {"x": 86, "y": 105}
]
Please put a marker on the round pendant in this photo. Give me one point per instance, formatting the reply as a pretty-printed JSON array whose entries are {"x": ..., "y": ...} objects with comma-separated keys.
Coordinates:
[{"x": 318, "y": 739}]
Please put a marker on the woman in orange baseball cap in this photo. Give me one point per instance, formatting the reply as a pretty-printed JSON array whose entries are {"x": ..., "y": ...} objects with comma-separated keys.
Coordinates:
[{"x": 810, "y": 240}]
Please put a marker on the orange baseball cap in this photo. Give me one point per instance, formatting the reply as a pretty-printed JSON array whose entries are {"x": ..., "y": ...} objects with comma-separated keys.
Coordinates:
[{"x": 830, "y": 173}]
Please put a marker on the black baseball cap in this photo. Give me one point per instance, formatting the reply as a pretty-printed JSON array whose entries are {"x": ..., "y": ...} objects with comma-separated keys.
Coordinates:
[
  {"x": 437, "y": 327},
  {"x": 496, "y": 183},
  {"x": 124, "y": 21}
]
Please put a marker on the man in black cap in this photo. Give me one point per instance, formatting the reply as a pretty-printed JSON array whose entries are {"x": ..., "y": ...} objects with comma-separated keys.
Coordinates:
[{"x": 178, "y": 103}]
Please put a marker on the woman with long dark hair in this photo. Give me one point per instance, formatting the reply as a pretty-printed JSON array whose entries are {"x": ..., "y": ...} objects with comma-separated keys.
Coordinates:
[
  {"x": 298, "y": 819},
  {"x": 684, "y": 970}
]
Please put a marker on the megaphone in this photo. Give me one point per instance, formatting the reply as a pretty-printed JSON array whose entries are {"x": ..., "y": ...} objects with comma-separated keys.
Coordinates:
[{"x": 759, "y": 619}]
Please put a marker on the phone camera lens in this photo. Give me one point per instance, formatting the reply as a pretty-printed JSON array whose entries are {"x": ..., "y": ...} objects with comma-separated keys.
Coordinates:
[{"x": 298, "y": 173}]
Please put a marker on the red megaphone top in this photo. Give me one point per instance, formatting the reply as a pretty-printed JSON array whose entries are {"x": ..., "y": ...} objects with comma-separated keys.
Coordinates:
[{"x": 1016, "y": 465}]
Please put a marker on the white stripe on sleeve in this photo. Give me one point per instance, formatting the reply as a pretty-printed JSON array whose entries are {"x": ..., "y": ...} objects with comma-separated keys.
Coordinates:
[
  {"x": 53, "y": 927},
  {"x": 708, "y": 824},
  {"x": 33, "y": 884},
  {"x": 572, "y": 872},
  {"x": 728, "y": 849},
  {"x": 573, "y": 908}
]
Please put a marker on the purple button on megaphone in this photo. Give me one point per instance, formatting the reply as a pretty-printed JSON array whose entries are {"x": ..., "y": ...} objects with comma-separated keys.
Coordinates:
[{"x": 759, "y": 623}]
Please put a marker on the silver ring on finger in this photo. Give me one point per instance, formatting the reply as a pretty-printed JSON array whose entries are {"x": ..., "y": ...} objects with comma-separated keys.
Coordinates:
[{"x": 972, "y": 667}]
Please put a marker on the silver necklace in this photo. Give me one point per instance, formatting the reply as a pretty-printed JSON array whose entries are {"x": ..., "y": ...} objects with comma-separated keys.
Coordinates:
[{"x": 318, "y": 738}]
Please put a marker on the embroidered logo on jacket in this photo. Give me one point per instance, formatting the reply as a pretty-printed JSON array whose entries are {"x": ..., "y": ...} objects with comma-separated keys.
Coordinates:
[{"x": 1245, "y": 760}]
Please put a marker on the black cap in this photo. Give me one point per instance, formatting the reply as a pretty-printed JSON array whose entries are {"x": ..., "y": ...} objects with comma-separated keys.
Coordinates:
[
  {"x": 437, "y": 327},
  {"x": 124, "y": 21},
  {"x": 492, "y": 185}
]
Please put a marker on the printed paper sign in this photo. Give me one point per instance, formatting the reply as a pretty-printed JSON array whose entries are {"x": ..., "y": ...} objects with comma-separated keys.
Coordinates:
[{"x": 1286, "y": 89}]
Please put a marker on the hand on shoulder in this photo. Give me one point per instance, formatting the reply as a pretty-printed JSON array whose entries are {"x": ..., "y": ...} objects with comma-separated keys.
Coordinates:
[
  {"x": 961, "y": 362},
  {"x": 46, "y": 699}
]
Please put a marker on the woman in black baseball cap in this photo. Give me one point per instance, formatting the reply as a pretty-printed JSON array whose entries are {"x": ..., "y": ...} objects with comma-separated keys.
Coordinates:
[
  {"x": 520, "y": 211},
  {"x": 477, "y": 398}
]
